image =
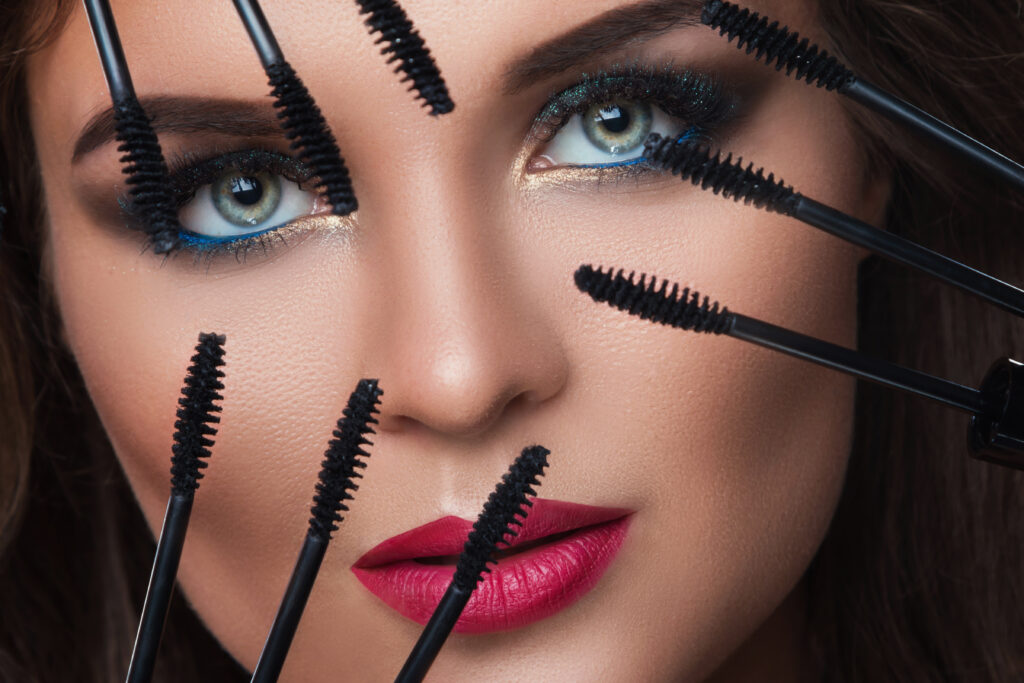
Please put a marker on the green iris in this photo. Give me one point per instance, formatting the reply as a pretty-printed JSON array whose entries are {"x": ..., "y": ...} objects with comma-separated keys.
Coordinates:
[
  {"x": 246, "y": 199},
  {"x": 619, "y": 126}
]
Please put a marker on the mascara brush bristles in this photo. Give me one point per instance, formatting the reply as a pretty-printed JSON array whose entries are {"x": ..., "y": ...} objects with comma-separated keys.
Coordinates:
[
  {"x": 151, "y": 198},
  {"x": 405, "y": 46},
  {"x": 301, "y": 118},
  {"x": 333, "y": 487},
  {"x": 692, "y": 160},
  {"x": 649, "y": 301},
  {"x": 192, "y": 442},
  {"x": 774, "y": 44},
  {"x": 502, "y": 510},
  {"x": 196, "y": 414},
  {"x": 305, "y": 126},
  {"x": 505, "y": 508},
  {"x": 341, "y": 461}
]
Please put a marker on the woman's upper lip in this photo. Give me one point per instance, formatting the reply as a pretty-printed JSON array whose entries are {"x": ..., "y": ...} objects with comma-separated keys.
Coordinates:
[{"x": 447, "y": 536}]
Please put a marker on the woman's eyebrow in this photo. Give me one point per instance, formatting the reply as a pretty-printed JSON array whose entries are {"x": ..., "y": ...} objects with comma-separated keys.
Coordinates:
[
  {"x": 630, "y": 24},
  {"x": 186, "y": 114}
]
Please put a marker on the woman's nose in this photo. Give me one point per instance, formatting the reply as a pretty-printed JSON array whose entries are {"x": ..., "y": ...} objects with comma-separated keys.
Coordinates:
[{"x": 461, "y": 343}]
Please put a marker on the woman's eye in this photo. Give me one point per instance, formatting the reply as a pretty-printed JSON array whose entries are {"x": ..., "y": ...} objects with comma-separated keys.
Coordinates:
[
  {"x": 607, "y": 134},
  {"x": 237, "y": 203}
]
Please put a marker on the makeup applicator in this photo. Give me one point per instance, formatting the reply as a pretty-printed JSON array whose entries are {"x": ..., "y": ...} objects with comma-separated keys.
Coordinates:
[
  {"x": 491, "y": 528},
  {"x": 816, "y": 66},
  {"x": 192, "y": 441},
  {"x": 300, "y": 117},
  {"x": 693, "y": 161},
  {"x": 996, "y": 431},
  {"x": 151, "y": 197},
  {"x": 406, "y": 47},
  {"x": 336, "y": 481}
]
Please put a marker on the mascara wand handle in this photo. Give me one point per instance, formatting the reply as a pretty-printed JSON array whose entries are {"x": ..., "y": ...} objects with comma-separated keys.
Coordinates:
[
  {"x": 300, "y": 585},
  {"x": 854, "y": 363},
  {"x": 915, "y": 119},
  {"x": 108, "y": 44},
  {"x": 434, "y": 634},
  {"x": 161, "y": 588},
  {"x": 909, "y": 253},
  {"x": 262, "y": 36}
]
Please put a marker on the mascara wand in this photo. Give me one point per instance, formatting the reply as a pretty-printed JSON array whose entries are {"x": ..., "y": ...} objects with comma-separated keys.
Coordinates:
[
  {"x": 996, "y": 431},
  {"x": 336, "y": 481},
  {"x": 301, "y": 118},
  {"x": 406, "y": 47},
  {"x": 192, "y": 441},
  {"x": 491, "y": 528},
  {"x": 693, "y": 161},
  {"x": 143, "y": 162},
  {"x": 785, "y": 49}
]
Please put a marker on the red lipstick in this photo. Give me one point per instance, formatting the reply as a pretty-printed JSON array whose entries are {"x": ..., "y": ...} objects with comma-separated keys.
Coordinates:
[{"x": 560, "y": 553}]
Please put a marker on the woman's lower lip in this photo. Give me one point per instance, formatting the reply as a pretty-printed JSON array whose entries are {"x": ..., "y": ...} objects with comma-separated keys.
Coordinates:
[{"x": 521, "y": 589}]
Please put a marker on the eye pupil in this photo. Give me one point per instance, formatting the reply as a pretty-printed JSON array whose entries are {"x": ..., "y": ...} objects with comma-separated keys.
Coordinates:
[
  {"x": 246, "y": 190},
  {"x": 618, "y": 126},
  {"x": 614, "y": 118}
]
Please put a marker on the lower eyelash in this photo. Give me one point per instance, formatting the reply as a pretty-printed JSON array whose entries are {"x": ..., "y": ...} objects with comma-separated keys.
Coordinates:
[{"x": 188, "y": 172}]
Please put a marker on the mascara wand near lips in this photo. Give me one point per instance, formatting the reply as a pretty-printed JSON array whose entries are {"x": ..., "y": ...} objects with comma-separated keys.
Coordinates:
[{"x": 493, "y": 527}]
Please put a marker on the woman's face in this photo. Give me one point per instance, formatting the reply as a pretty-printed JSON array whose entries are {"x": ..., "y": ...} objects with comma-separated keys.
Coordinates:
[{"x": 714, "y": 465}]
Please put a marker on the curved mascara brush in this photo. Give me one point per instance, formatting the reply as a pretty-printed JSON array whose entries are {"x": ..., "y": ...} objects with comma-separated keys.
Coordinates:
[
  {"x": 406, "y": 47},
  {"x": 336, "y": 481},
  {"x": 996, "y": 431},
  {"x": 693, "y": 161},
  {"x": 491, "y": 528},
  {"x": 786, "y": 50},
  {"x": 143, "y": 162},
  {"x": 301, "y": 118},
  {"x": 192, "y": 441}
]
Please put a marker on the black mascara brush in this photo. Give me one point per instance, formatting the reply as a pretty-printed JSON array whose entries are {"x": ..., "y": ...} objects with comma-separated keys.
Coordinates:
[
  {"x": 143, "y": 161},
  {"x": 336, "y": 481},
  {"x": 491, "y": 528},
  {"x": 997, "y": 426},
  {"x": 693, "y": 161},
  {"x": 301, "y": 118},
  {"x": 785, "y": 49},
  {"x": 192, "y": 441},
  {"x": 404, "y": 44}
]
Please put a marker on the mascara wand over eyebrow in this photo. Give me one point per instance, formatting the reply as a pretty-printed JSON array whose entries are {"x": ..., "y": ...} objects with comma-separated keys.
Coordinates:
[
  {"x": 406, "y": 47},
  {"x": 144, "y": 164},
  {"x": 300, "y": 117}
]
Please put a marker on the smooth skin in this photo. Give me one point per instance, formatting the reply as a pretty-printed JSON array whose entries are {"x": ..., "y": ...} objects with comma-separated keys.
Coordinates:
[{"x": 453, "y": 285}]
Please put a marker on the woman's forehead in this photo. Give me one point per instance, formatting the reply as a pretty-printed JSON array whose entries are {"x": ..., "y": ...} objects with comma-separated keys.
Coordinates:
[{"x": 193, "y": 48}]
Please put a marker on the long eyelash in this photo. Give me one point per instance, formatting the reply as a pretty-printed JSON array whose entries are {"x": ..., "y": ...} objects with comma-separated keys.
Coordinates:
[
  {"x": 190, "y": 171},
  {"x": 695, "y": 97}
]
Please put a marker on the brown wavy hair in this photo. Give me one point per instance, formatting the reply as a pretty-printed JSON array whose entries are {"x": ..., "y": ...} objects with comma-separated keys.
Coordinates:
[{"x": 921, "y": 577}]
